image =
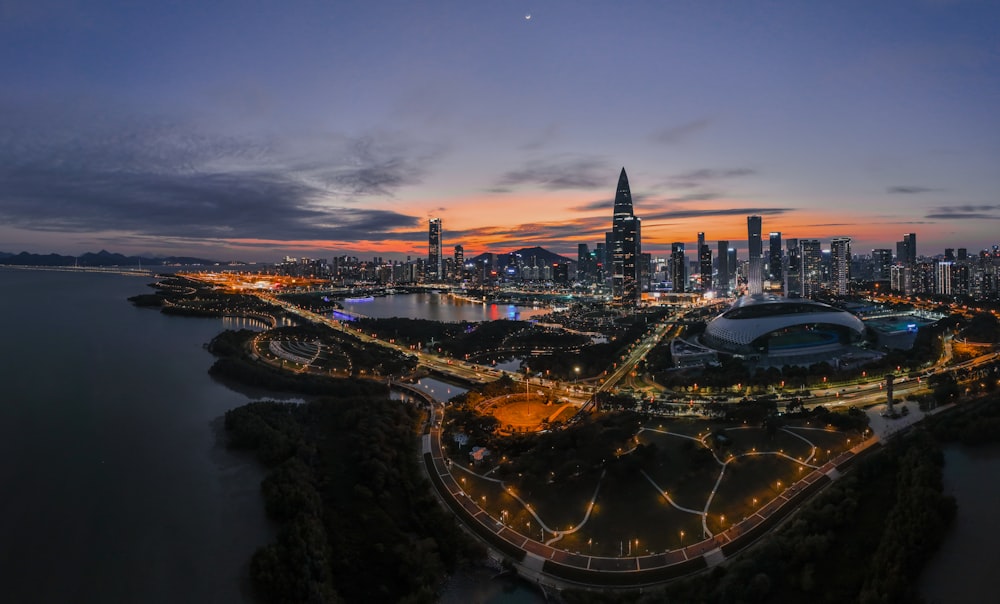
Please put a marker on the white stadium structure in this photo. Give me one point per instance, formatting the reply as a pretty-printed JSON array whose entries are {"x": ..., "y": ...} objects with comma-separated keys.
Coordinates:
[{"x": 770, "y": 326}]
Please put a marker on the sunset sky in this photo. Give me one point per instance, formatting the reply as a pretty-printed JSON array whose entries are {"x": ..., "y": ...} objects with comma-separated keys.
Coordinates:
[{"x": 251, "y": 130}]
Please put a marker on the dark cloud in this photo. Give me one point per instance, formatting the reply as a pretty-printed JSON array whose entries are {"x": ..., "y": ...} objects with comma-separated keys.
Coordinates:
[
  {"x": 564, "y": 231},
  {"x": 695, "y": 178},
  {"x": 162, "y": 180},
  {"x": 965, "y": 212},
  {"x": 677, "y": 134},
  {"x": 908, "y": 190},
  {"x": 706, "y": 196},
  {"x": 377, "y": 166},
  {"x": 572, "y": 173},
  {"x": 693, "y": 213}
]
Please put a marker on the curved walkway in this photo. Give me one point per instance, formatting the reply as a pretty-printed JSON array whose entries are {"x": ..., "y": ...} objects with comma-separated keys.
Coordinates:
[{"x": 560, "y": 568}]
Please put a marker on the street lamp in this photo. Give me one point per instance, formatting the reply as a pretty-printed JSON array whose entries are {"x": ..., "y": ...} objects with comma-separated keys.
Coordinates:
[{"x": 577, "y": 370}]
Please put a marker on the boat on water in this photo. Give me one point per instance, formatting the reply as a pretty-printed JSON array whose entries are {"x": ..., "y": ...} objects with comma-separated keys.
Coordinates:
[{"x": 357, "y": 300}]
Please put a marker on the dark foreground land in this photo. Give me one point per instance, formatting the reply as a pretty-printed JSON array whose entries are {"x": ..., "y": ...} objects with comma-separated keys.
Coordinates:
[{"x": 358, "y": 522}]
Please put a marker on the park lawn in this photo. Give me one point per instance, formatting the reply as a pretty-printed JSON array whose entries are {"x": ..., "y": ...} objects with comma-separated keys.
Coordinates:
[
  {"x": 825, "y": 440},
  {"x": 564, "y": 503},
  {"x": 629, "y": 509},
  {"x": 746, "y": 440},
  {"x": 683, "y": 468},
  {"x": 477, "y": 488},
  {"x": 688, "y": 427},
  {"x": 746, "y": 478},
  {"x": 670, "y": 447}
]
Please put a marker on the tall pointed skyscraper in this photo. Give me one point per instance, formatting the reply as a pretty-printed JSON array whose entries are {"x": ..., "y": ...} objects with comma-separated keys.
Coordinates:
[{"x": 626, "y": 240}]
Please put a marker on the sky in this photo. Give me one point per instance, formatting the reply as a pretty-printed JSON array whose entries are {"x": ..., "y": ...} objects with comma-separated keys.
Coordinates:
[{"x": 252, "y": 130}]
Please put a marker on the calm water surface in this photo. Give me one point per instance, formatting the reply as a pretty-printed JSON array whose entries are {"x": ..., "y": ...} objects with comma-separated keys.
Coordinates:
[
  {"x": 440, "y": 307},
  {"x": 115, "y": 487},
  {"x": 964, "y": 569}
]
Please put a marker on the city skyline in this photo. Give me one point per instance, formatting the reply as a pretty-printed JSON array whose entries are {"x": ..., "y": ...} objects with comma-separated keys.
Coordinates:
[{"x": 238, "y": 133}]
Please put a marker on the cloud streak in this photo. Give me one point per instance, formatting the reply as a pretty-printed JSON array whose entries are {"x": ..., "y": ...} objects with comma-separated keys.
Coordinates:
[
  {"x": 559, "y": 174},
  {"x": 699, "y": 177},
  {"x": 710, "y": 213},
  {"x": 908, "y": 190},
  {"x": 966, "y": 212}
]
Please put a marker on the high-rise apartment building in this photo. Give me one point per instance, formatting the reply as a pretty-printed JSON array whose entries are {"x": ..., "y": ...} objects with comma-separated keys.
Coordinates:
[
  {"x": 704, "y": 263},
  {"x": 678, "y": 266},
  {"x": 582, "y": 262},
  {"x": 942, "y": 280},
  {"x": 774, "y": 258},
  {"x": 626, "y": 242},
  {"x": 812, "y": 267},
  {"x": 840, "y": 262},
  {"x": 793, "y": 269},
  {"x": 433, "y": 271},
  {"x": 881, "y": 264},
  {"x": 601, "y": 263},
  {"x": 724, "y": 273},
  {"x": 755, "y": 276},
  {"x": 459, "y": 263},
  {"x": 910, "y": 244}
]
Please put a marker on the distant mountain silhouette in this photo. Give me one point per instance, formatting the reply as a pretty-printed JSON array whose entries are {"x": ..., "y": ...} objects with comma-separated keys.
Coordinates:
[
  {"x": 101, "y": 258},
  {"x": 537, "y": 256}
]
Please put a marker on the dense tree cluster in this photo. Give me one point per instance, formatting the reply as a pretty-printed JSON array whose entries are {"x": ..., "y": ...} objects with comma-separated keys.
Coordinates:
[
  {"x": 971, "y": 424},
  {"x": 590, "y": 444},
  {"x": 983, "y": 327},
  {"x": 474, "y": 339},
  {"x": 914, "y": 526},
  {"x": 358, "y": 522}
]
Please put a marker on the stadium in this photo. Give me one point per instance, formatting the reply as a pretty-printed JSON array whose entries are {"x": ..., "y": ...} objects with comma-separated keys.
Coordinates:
[{"x": 783, "y": 330}]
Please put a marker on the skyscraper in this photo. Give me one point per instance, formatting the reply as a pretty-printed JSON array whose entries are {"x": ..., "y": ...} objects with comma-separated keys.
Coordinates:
[
  {"x": 678, "y": 264},
  {"x": 793, "y": 269},
  {"x": 755, "y": 277},
  {"x": 881, "y": 263},
  {"x": 704, "y": 263},
  {"x": 909, "y": 249},
  {"x": 459, "y": 263},
  {"x": 774, "y": 258},
  {"x": 582, "y": 262},
  {"x": 812, "y": 266},
  {"x": 433, "y": 272},
  {"x": 725, "y": 271},
  {"x": 626, "y": 241},
  {"x": 840, "y": 256}
]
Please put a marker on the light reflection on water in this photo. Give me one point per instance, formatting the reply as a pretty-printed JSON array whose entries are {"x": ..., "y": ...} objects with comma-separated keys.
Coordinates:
[
  {"x": 441, "y": 391},
  {"x": 440, "y": 307}
]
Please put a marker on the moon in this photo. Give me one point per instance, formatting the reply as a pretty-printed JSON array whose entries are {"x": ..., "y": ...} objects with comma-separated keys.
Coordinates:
[{"x": 527, "y": 17}]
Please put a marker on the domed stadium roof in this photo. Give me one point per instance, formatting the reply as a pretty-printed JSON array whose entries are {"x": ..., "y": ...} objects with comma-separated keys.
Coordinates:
[{"x": 753, "y": 318}]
